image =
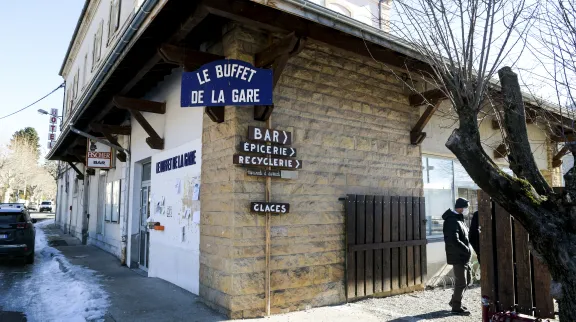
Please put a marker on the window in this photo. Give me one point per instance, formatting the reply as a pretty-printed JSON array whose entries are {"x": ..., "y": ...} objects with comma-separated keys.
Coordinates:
[
  {"x": 75, "y": 186},
  {"x": 445, "y": 180},
  {"x": 114, "y": 21},
  {"x": 146, "y": 171},
  {"x": 113, "y": 197},
  {"x": 75, "y": 84},
  {"x": 97, "y": 47},
  {"x": 85, "y": 71}
]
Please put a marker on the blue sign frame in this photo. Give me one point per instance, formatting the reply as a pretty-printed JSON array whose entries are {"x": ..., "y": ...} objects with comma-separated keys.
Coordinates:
[{"x": 227, "y": 82}]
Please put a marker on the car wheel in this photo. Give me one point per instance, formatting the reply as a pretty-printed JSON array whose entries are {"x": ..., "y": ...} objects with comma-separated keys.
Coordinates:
[{"x": 30, "y": 258}]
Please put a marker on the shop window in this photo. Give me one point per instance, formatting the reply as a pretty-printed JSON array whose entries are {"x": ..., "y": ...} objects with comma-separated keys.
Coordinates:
[
  {"x": 112, "y": 205},
  {"x": 75, "y": 191},
  {"x": 445, "y": 180},
  {"x": 146, "y": 171}
]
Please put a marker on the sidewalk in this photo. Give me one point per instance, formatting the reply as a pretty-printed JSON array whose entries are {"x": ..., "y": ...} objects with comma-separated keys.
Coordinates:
[{"x": 132, "y": 296}]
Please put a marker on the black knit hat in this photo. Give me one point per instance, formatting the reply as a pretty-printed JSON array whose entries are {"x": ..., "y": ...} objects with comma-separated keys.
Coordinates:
[{"x": 461, "y": 203}]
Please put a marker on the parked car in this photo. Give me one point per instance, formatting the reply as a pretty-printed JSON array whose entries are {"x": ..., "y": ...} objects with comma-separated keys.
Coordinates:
[
  {"x": 32, "y": 206},
  {"x": 46, "y": 206},
  {"x": 17, "y": 232}
]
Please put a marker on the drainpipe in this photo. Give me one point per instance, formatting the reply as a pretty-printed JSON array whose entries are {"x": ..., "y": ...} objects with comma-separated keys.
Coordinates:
[
  {"x": 124, "y": 226},
  {"x": 380, "y": 13}
]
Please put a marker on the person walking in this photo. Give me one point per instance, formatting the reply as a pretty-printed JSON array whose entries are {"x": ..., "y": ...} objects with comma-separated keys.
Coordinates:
[
  {"x": 458, "y": 252},
  {"x": 474, "y": 235}
]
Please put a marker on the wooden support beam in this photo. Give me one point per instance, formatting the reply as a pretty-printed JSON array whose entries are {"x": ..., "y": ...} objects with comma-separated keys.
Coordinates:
[
  {"x": 189, "y": 59},
  {"x": 108, "y": 131},
  {"x": 215, "y": 113},
  {"x": 276, "y": 56},
  {"x": 154, "y": 140},
  {"x": 501, "y": 151},
  {"x": 79, "y": 174},
  {"x": 136, "y": 104},
  {"x": 571, "y": 137},
  {"x": 428, "y": 97},
  {"x": 416, "y": 135},
  {"x": 112, "y": 129},
  {"x": 557, "y": 159},
  {"x": 194, "y": 20}
]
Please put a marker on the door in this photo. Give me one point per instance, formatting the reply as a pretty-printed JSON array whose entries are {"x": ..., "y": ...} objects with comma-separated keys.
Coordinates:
[
  {"x": 101, "y": 204},
  {"x": 386, "y": 245},
  {"x": 144, "y": 233}
]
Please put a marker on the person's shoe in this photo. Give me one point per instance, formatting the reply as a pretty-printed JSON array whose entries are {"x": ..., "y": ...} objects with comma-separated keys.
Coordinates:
[
  {"x": 465, "y": 308},
  {"x": 461, "y": 311}
]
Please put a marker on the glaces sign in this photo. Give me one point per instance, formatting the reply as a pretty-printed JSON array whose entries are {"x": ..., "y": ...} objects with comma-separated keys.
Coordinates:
[
  {"x": 227, "y": 82},
  {"x": 98, "y": 155}
]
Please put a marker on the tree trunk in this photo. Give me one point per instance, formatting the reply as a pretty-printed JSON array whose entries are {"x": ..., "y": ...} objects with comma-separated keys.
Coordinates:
[{"x": 550, "y": 219}]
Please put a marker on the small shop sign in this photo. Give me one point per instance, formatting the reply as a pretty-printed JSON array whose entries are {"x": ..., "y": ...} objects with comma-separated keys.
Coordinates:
[
  {"x": 269, "y": 135},
  {"x": 268, "y": 149},
  {"x": 267, "y": 161},
  {"x": 98, "y": 155},
  {"x": 271, "y": 207},
  {"x": 227, "y": 82}
]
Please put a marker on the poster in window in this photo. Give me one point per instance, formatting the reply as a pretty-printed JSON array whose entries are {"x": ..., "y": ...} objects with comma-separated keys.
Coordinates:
[
  {"x": 116, "y": 201},
  {"x": 107, "y": 208}
]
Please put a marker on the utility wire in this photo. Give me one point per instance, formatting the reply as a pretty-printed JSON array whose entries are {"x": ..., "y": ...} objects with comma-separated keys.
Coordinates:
[{"x": 43, "y": 97}]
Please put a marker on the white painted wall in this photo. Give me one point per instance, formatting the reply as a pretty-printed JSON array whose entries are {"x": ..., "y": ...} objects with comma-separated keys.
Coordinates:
[
  {"x": 178, "y": 126},
  {"x": 175, "y": 252},
  {"x": 98, "y": 12},
  {"x": 110, "y": 237},
  {"x": 445, "y": 121}
]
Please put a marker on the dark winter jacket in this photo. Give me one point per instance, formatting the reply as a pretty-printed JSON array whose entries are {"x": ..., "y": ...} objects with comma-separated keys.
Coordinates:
[
  {"x": 474, "y": 235},
  {"x": 456, "y": 241}
]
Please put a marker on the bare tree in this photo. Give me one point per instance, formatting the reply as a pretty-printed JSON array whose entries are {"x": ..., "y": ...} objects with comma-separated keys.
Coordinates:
[
  {"x": 19, "y": 170},
  {"x": 466, "y": 43}
]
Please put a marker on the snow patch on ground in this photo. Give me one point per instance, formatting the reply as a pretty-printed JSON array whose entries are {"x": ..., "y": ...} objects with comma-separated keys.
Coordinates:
[{"x": 59, "y": 290}]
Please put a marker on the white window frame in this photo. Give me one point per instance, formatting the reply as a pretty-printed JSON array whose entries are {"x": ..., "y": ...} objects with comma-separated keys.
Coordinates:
[
  {"x": 113, "y": 201},
  {"x": 97, "y": 46},
  {"x": 113, "y": 20}
]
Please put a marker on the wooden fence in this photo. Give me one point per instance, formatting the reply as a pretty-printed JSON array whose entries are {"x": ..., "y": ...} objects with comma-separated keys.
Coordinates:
[
  {"x": 386, "y": 245},
  {"x": 510, "y": 276}
]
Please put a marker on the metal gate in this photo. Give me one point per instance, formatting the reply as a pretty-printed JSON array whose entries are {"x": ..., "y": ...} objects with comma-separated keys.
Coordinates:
[
  {"x": 511, "y": 277},
  {"x": 386, "y": 245}
]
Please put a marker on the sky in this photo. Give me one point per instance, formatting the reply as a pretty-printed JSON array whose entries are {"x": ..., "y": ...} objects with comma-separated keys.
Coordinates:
[{"x": 35, "y": 35}]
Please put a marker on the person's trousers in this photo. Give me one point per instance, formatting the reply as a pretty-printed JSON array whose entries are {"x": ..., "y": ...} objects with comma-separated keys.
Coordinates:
[{"x": 463, "y": 277}]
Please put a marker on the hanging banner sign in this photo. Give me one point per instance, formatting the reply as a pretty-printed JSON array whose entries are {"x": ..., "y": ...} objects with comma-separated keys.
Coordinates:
[
  {"x": 266, "y": 161},
  {"x": 98, "y": 155},
  {"x": 267, "y": 149},
  {"x": 227, "y": 82},
  {"x": 271, "y": 207},
  {"x": 268, "y": 135},
  {"x": 52, "y": 127}
]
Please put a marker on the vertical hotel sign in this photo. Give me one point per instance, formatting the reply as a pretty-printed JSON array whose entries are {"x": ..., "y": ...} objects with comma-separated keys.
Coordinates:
[
  {"x": 52, "y": 127},
  {"x": 98, "y": 155}
]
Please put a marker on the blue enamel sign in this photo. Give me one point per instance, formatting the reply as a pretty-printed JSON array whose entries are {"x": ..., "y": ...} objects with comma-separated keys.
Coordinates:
[{"x": 227, "y": 82}]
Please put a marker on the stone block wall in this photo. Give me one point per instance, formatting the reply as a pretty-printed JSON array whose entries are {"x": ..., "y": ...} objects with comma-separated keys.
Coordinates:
[{"x": 350, "y": 121}]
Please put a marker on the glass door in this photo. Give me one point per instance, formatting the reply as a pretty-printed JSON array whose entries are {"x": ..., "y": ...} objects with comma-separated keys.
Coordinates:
[{"x": 144, "y": 233}]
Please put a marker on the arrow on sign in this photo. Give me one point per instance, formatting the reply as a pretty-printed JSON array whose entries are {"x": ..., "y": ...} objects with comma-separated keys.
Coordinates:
[
  {"x": 297, "y": 164},
  {"x": 292, "y": 152},
  {"x": 285, "y": 137}
]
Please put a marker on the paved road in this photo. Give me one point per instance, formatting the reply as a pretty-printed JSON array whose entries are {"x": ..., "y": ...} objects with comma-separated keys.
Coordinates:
[{"x": 14, "y": 278}]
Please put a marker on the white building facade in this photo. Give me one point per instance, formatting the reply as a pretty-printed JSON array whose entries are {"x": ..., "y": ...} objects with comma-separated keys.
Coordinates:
[{"x": 174, "y": 205}]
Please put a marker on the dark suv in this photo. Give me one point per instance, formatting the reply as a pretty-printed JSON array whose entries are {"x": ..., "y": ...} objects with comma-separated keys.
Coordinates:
[{"x": 17, "y": 232}]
